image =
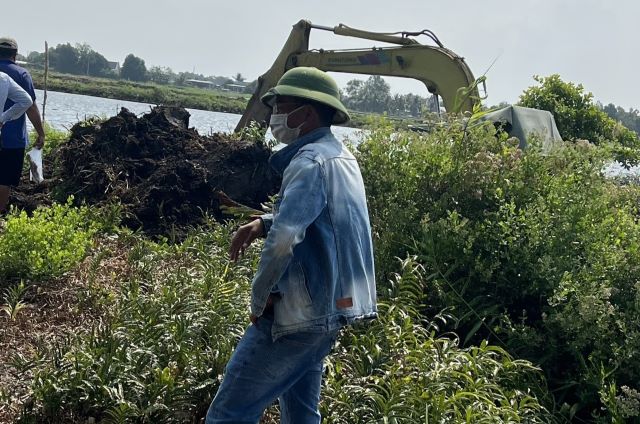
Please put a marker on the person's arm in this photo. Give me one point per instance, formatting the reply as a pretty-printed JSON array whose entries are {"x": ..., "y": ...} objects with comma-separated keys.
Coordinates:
[
  {"x": 21, "y": 102},
  {"x": 36, "y": 120},
  {"x": 33, "y": 113},
  {"x": 303, "y": 200}
]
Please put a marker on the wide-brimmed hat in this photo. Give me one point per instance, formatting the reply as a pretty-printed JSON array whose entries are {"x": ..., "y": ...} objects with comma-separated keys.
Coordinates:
[{"x": 311, "y": 84}]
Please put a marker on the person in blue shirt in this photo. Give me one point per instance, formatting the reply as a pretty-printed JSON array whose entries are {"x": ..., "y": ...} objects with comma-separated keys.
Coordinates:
[
  {"x": 13, "y": 134},
  {"x": 316, "y": 270}
]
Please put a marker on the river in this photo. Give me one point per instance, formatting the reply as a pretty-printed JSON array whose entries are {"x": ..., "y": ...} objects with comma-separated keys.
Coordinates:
[{"x": 64, "y": 110}]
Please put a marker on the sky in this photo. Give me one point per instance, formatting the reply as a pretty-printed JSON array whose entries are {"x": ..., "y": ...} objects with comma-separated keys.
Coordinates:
[{"x": 591, "y": 42}]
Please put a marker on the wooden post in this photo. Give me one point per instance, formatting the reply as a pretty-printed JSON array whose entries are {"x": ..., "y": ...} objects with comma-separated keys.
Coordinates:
[{"x": 46, "y": 74}]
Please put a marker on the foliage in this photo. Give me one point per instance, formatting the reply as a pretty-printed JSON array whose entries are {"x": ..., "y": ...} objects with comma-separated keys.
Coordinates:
[
  {"x": 134, "y": 69},
  {"x": 161, "y": 75},
  {"x": 174, "y": 325},
  {"x": 578, "y": 117},
  {"x": 13, "y": 297},
  {"x": 630, "y": 118},
  {"x": 539, "y": 253},
  {"x": 46, "y": 244},
  {"x": 396, "y": 371},
  {"x": 374, "y": 95},
  {"x": 181, "y": 311},
  {"x": 80, "y": 59}
]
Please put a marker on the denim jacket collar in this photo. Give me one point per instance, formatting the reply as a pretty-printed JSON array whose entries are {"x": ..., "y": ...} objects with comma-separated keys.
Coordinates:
[{"x": 280, "y": 160}]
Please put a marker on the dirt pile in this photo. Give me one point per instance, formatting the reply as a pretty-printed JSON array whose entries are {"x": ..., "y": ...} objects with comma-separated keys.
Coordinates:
[{"x": 164, "y": 174}]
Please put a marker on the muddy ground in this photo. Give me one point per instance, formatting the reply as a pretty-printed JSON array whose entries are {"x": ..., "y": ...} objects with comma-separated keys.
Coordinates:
[{"x": 163, "y": 173}]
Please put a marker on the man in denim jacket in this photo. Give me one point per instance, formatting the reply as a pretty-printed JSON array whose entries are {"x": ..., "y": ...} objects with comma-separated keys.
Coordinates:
[{"x": 316, "y": 271}]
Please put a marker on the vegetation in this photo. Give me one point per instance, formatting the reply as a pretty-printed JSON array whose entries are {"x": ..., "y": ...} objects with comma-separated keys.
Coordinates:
[
  {"x": 579, "y": 118},
  {"x": 47, "y": 244},
  {"x": 630, "y": 118},
  {"x": 81, "y": 59},
  {"x": 537, "y": 253},
  {"x": 179, "y": 310},
  {"x": 374, "y": 96},
  {"x": 134, "y": 69}
]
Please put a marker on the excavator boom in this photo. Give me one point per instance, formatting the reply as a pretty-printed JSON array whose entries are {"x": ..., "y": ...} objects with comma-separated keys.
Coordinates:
[{"x": 442, "y": 71}]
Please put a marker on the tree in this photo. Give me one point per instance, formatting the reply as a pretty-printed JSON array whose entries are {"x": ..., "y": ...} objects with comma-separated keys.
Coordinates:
[
  {"x": 578, "y": 117},
  {"x": 630, "y": 119},
  {"x": 36, "y": 58},
  {"x": 372, "y": 95},
  {"x": 134, "y": 69},
  {"x": 161, "y": 75},
  {"x": 251, "y": 87},
  {"x": 239, "y": 77},
  {"x": 90, "y": 62},
  {"x": 65, "y": 58}
]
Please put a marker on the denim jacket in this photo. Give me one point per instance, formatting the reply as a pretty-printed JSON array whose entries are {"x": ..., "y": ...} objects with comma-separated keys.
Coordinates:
[{"x": 318, "y": 253}]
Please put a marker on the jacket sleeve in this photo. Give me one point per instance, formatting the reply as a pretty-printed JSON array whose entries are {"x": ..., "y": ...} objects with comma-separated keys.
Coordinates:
[
  {"x": 21, "y": 102},
  {"x": 267, "y": 221},
  {"x": 303, "y": 199}
]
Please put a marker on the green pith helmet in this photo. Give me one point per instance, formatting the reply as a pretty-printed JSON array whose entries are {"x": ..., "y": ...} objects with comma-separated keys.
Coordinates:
[{"x": 312, "y": 84}]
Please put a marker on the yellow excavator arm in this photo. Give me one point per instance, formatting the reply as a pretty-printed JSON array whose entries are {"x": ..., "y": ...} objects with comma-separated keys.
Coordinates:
[{"x": 442, "y": 71}]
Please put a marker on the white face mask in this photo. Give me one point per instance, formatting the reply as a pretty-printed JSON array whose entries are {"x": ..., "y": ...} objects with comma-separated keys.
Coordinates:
[{"x": 281, "y": 130}]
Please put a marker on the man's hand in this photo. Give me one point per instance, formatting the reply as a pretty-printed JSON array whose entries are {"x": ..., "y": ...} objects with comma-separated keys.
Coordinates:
[
  {"x": 39, "y": 144},
  {"x": 243, "y": 238},
  {"x": 254, "y": 319}
]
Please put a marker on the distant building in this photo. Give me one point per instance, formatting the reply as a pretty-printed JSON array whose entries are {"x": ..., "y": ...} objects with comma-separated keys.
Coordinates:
[
  {"x": 238, "y": 88},
  {"x": 201, "y": 83},
  {"x": 114, "y": 67}
]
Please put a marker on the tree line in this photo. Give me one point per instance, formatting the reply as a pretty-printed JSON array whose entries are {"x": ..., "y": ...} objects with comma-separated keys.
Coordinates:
[
  {"x": 373, "y": 95},
  {"x": 81, "y": 59}
]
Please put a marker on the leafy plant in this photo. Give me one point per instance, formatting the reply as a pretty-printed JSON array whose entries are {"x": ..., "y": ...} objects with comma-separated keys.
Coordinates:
[
  {"x": 396, "y": 370},
  {"x": 175, "y": 322},
  {"x": 13, "y": 300},
  {"x": 46, "y": 244},
  {"x": 536, "y": 252},
  {"x": 579, "y": 118}
]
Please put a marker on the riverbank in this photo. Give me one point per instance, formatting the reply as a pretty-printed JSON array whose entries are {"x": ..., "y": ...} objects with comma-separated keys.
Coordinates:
[
  {"x": 188, "y": 97},
  {"x": 172, "y": 95}
]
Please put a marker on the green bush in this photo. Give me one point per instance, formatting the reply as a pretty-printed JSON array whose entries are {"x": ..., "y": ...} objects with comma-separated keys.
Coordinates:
[
  {"x": 579, "y": 117},
  {"x": 539, "y": 253},
  {"x": 396, "y": 370},
  {"x": 47, "y": 244},
  {"x": 173, "y": 326}
]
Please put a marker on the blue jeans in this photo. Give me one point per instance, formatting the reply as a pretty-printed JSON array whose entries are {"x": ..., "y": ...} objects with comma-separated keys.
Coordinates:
[{"x": 261, "y": 370}]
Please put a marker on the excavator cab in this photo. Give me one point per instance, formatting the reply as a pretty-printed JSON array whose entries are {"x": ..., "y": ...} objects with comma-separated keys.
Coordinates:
[{"x": 442, "y": 71}]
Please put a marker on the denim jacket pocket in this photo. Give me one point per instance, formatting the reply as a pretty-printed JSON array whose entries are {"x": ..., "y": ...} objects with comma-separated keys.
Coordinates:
[{"x": 298, "y": 290}]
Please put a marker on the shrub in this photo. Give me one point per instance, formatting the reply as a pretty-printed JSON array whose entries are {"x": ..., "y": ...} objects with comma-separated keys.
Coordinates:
[
  {"x": 578, "y": 117},
  {"x": 46, "y": 244},
  {"x": 397, "y": 371},
  {"x": 174, "y": 324},
  {"x": 538, "y": 253}
]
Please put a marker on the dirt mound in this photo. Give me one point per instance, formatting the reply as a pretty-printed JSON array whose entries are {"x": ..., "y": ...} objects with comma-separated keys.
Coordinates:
[{"x": 164, "y": 174}]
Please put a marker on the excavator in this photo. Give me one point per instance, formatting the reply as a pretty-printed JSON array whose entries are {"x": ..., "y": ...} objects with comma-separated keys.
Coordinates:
[{"x": 442, "y": 71}]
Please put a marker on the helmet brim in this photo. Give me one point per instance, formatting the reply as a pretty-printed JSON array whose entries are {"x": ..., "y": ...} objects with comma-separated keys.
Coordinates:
[{"x": 340, "y": 117}]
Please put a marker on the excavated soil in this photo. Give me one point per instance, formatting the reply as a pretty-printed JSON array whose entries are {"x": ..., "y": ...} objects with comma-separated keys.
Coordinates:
[{"x": 163, "y": 173}]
